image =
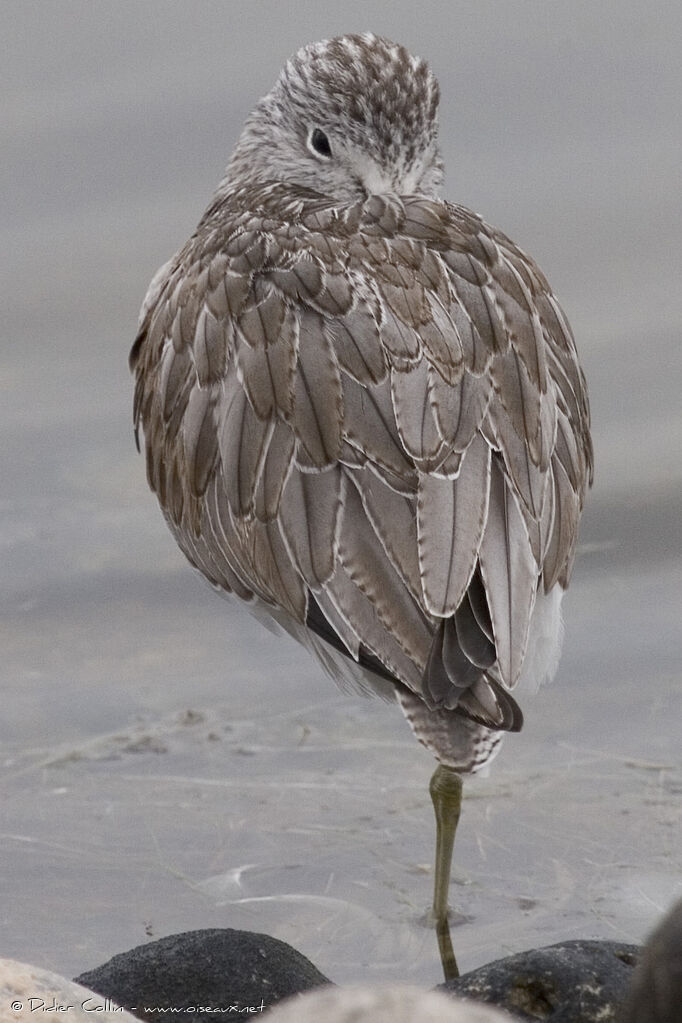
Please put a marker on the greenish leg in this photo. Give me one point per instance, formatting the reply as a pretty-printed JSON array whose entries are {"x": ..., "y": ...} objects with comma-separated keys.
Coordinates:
[
  {"x": 447, "y": 953},
  {"x": 446, "y": 794}
]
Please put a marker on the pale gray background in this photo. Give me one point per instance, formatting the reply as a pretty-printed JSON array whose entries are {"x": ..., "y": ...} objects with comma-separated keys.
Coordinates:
[{"x": 279, "y": 804}]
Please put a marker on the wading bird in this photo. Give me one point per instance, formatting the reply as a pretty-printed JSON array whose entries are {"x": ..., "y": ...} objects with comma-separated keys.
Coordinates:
[{"x": 363, "y": 410}]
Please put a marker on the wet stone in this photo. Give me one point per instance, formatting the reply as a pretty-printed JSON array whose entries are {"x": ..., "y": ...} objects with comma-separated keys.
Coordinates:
[
  {"x": 572, "y": 982},
  {"x": 198, "y": 973}
]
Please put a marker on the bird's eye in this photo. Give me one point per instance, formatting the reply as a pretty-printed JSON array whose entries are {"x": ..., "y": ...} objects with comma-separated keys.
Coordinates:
[{"x": 319, "y": 143}]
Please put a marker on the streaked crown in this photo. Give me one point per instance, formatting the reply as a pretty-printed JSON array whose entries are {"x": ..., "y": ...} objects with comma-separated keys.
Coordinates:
[{"x": 347, "y": 117}]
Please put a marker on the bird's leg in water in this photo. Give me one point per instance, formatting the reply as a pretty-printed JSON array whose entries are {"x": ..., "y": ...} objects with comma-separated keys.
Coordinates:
[{"x": 446, "y": 794}]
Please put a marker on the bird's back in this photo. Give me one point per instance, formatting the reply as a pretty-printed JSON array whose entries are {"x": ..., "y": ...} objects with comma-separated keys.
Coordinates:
[{"x": 371, "y": 419}]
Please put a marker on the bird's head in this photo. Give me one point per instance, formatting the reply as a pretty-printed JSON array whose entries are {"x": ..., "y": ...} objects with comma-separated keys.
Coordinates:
[{"x": 348, "y": 117}]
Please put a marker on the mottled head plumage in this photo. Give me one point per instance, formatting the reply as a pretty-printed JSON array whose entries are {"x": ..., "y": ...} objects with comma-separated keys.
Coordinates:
[{"x": 376, "y": 106}]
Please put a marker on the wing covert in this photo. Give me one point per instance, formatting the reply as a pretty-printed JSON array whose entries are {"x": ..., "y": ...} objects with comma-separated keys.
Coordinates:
[{"x": 379, "y": 404}]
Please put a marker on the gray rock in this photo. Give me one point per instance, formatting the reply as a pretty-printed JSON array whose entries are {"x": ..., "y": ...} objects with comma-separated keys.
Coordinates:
[
  {"x": 28, "y": 992},
  {"x": 396, "y": 1004},
  {"x": 572, "y": 982},
  {"x": 655, "y": 994},
  {"x": 204, "y": 970}
]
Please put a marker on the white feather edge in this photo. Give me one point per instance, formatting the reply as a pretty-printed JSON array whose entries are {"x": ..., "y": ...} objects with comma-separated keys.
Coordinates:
[
  {"x": 545, "y": 638},
  {"x": 156, "y": 286}
]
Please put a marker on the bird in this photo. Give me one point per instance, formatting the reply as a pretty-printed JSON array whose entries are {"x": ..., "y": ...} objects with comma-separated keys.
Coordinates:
[{"x": 364, "y": 413}]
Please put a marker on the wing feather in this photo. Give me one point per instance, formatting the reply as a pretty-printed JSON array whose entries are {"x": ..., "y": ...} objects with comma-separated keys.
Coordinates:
[
  {"x": 243, "y": 441},
  {"x": 267, "y": 372},
  {"x": 472, "y": 638},
  {"x": 277, "y": 464},
  {"x": 318, "y": 396},
  {"x": 400, "y": 339},
  {"x": 440, "y": 339},
  {"x": 275, "y": 570},
  {"x": 414, "y": 416},
  {"x": 509, "y": 573},
  {"x": 210, "y": 346},
  {"x": 369, "y": 425},
  {"x": 393, "y": 519},
  {"x": 378, "y": 403},
  {"x": 356, "y": 341},
  {"x": 563, "y": 535},
  {"x": 230, "y": 577},
  {"x": 361, "y": 616},
  {"x": 309, "y": 517},
  {"x": 459, "y": 408},
  {"x": 224, "y": 528},
  {"x": 200, "y": 441},
  {"x": 368, "y": 566},
  {"x": 451, "y": 518}
]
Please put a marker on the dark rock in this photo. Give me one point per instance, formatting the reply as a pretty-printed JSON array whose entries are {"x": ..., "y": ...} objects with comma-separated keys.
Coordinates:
[
  {"x": 655, "y": 994},
  {"x": 215, "y": 969},
  {"x": 572, "y": 982}
]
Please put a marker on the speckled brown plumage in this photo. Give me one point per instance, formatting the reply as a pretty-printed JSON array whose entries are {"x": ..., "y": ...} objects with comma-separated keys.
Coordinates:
[{"x": 368, "y": 414}]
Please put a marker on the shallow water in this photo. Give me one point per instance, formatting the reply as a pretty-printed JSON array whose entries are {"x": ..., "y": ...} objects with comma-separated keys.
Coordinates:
[{"x": 167, "y": 764}]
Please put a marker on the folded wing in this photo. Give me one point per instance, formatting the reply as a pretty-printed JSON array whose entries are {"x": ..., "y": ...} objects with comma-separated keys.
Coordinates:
[{"x": 375, "y": 424}]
